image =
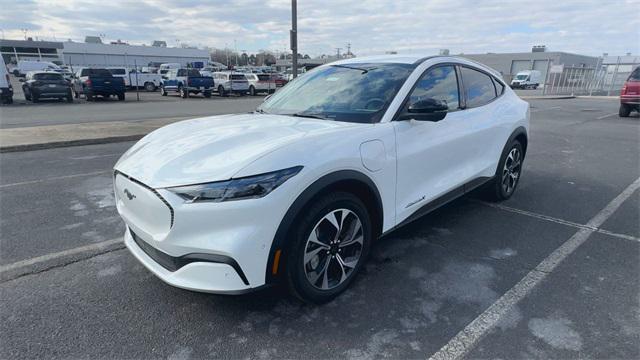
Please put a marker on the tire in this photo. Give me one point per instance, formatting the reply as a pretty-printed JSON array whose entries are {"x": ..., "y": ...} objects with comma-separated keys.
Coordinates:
[
  {"x": 624, "y": 111},
  {"x": 149, "y": 86},
  {"x": 89, "y": 96},
  {"x": 34, "y": 98},
  {"x": 305, "y": 279},
  {"x": 183, "y": 93},
  {"x": 163, "y": 92},
  {"x": 207, "y": 94},
  {"x": 252, "y": 91},
  {"x": 221, "y": 91},
  {"x": 16, "y": 73},
  {"x": 27, "y": 95},
  {"x": 508, "y": 174},
  {"x": 121, "y": 97},
  {"x": 69, "y": 97}
]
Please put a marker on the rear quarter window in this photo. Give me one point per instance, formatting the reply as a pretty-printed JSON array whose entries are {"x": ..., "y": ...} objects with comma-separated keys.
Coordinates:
[
  {"x": 635, "y": 75},
  {"x": 478, "y": 87},
  {"x": 117, "y": 71}
]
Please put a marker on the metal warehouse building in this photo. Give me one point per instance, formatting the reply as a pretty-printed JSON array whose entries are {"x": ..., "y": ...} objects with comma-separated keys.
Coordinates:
[
  {"x": 91, "y": 54},
  {"x": 97, "y": 54},
  {"x": 509, "y": 64}
]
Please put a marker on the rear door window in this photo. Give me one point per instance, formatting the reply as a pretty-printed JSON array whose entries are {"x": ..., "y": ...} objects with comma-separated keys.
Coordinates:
[
  {"x": 635, "y": 75},
  {"x": 478, "y": 86},
  {"x": 238, "y": 77}
]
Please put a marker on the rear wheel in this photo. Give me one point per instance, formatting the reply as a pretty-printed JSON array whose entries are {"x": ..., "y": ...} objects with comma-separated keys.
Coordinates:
[
  {"x": 207, "y": 94},
  {"x": 329, "y": 245},
  {"x": 221, "y": 91},
  {"x": 508, "y": 174},
  {"x": 183, "y": 93},
  {"x": 624, "y": 111},
  {"x": 121, "y": 96},
  {"x": 69, "y": 97},
  {"x": 163, "y": 91},
  {"x": 150, "y": 87},
  {"x": 34, "y": 97},
  {"x": 252, "y": 90}
]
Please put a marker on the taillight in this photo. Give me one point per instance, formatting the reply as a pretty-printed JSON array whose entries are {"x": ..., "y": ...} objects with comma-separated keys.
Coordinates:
[
  {"x": 624, "y": 89},
  {"x": 88, "y": 82}
]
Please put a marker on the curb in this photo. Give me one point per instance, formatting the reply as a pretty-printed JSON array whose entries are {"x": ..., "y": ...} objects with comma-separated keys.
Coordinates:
[
  {"x": 548, "y": 97},
  {"x": 50, "y": 261},
  {"x": 80, "y": 142}
]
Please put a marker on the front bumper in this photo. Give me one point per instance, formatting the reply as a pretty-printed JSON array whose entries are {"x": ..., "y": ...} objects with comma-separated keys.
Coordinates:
[
  {"x": 203, "y": 276},
  {"x": 209, "y": 247}
]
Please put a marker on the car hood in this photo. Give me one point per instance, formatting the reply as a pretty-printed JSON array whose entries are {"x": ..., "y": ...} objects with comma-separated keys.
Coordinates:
[{"x": 214, "y": 148}]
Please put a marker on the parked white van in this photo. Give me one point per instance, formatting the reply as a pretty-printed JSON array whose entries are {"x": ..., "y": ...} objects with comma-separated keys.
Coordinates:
[
  {"x": 6, "y": 90},
  {"x": 527, "y": 79},
  {"x": 24, "y": 66}
]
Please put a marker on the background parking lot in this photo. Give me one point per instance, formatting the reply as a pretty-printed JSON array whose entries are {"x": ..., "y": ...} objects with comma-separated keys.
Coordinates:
[{"x": 553, "y": 272}]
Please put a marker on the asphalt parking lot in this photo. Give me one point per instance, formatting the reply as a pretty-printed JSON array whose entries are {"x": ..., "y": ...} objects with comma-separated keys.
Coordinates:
[{"x": 552, "y": 273}]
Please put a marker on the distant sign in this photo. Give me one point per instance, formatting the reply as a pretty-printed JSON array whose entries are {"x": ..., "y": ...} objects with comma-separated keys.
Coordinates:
[{"x": 556, "y": 69}]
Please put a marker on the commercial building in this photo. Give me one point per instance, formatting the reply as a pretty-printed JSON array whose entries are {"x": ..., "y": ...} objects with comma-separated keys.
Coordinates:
[
  {"x": 14, "y": 50},
  {"x": 509, "y": 64},
  {"x": 95, "y": 53}
]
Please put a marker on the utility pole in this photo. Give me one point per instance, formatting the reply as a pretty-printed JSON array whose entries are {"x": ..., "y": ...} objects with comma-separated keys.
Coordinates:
[
  {"x": 294, "y": 38},
  {"x": 338, "y": 53}
]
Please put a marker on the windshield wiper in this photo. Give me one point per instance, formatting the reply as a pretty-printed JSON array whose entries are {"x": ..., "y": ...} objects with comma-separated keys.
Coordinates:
[
  {"x": 364, "y": 71},
  {"x": 309, "y": 115}
]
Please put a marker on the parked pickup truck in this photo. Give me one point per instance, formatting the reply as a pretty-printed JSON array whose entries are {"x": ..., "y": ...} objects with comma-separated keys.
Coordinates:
[
  {"x": 185, "y": 82},
  {"x": 94, "y": 82},
  {"x": 134, "y": 79}
]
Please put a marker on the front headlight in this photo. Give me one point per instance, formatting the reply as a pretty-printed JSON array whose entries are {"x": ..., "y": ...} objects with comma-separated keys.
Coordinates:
[{"x": 250, "y": 187}]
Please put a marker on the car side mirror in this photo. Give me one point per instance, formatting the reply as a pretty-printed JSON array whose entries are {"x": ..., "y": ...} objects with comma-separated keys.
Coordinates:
[{"x": 426, "y": 110}]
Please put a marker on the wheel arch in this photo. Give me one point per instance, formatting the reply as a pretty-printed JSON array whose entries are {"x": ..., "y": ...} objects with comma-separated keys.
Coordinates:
[
  {"x": 520, "y": 134},
  {"x": 351, "y": 181}
]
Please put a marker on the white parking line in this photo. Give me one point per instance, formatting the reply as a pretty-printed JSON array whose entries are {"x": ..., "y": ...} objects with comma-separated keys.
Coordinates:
[
  {"x": 45, "y": 262},
  {"x": 54, "y": 178},
  {"x": 466, "y": 339},
  {"x": 545, "y": 109},
  {"x": 606, "y": 116},
  {"x": 559, "y": 221}
]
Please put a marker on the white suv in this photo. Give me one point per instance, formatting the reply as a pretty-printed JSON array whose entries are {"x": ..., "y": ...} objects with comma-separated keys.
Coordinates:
[
  {"x": 299, "y": 190},
  {"x": 228, "y": 82}
]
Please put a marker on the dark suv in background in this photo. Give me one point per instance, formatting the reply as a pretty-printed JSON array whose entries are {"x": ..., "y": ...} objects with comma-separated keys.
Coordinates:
[
  {"x": 630, "y": 94},
  {"x": 45, "y": 84}
]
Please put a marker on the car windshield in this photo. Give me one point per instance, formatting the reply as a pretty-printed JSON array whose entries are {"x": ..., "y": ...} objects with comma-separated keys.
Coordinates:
[
  {"x": 350, "y": 92},
  {"x": 521, "y": 77},
  {"x": 50, "y": 76}
]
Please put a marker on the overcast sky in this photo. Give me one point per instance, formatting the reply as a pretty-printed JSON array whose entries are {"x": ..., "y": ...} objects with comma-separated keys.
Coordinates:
[{"x": 371, "y": 26}]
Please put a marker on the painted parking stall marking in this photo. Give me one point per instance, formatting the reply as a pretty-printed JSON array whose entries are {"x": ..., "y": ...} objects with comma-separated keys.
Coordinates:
[{"x": 466, "y": 339}]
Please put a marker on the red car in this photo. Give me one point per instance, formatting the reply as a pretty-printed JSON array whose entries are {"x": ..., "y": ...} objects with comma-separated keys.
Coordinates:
[{"x": 630, "y": 94}]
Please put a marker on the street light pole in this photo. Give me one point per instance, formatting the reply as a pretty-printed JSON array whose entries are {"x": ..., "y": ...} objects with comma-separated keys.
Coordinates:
[{"x": 294, "y": 38}]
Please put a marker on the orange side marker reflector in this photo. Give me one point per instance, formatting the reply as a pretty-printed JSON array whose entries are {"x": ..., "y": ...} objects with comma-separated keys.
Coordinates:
[{"x": 276, "y": 262}]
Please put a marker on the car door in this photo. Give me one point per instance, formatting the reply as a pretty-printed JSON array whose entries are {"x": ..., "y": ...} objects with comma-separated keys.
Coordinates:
[
  {"x": 434, "y": 159},
  {"x": 486, "y": 117}
]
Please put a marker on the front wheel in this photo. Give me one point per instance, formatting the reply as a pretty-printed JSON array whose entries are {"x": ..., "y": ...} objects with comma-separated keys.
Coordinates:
[
  {"x": 183, "y": 93},
  {"x": 221, "y": 91},
  {"x": 150, "y": 87},
  {"x": 252, "y": 91},
  {"x": 207, "y": 94},
  {"x": 624, "y": 111},
  {"x": 508, "y": 174},
  {"x": 330, "y": 243},
  {"x": 163, "y": 91}
]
